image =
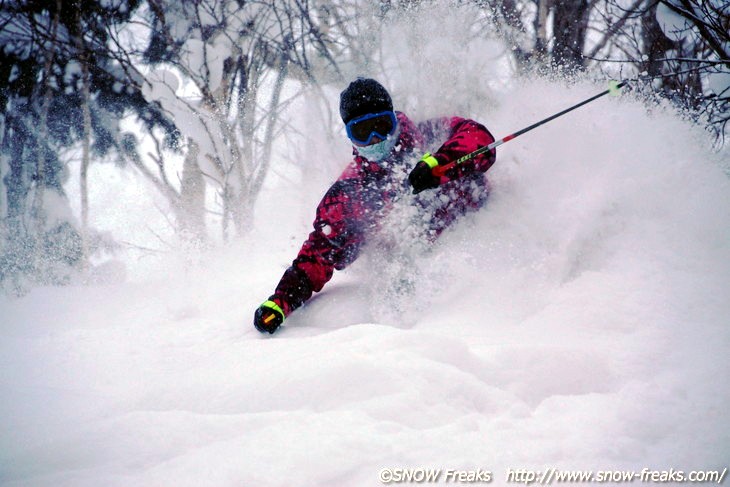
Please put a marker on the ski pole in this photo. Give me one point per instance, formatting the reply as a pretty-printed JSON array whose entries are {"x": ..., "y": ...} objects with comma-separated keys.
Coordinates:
[{"x": 613, "y": 88}]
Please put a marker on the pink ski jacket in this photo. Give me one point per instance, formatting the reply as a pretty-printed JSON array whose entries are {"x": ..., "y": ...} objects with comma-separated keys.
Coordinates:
[{"x": 350, "y": 212}]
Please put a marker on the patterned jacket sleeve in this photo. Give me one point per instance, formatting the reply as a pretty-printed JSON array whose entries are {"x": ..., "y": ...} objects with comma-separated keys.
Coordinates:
[
  {"x": 334, "y": 243},
  {"x": 464, "y": 136}
]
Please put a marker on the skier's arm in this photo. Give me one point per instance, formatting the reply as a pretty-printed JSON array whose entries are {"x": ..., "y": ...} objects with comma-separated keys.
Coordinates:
[
  {"x": 334, "y": 243},
  {"x": 464, "y": 136}
]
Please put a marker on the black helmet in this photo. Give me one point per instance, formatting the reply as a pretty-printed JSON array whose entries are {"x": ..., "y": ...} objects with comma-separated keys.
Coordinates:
[{"x": 362, "y": 97}]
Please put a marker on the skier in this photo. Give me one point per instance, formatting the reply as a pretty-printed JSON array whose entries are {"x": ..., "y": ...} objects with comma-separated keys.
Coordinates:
[{"x": 385, "y": 145}]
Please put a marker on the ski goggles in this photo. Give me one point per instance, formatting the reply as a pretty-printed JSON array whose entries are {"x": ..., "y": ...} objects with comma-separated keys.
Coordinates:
[{"x": 363, "y": 129}]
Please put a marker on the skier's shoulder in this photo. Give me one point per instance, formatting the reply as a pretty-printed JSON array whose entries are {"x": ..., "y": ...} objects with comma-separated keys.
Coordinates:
[
  {"x": 406, "y": 126},
  {"x": 445, "y": 123},
  {"x": 447, "y": 127}
]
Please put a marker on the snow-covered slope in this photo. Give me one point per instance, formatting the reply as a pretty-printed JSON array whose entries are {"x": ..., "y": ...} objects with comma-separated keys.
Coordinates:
[{"x": 579, "y": 321}]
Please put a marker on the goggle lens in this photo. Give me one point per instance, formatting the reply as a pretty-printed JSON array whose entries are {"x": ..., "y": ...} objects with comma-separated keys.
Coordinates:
[{"x": 363, "y": 129}]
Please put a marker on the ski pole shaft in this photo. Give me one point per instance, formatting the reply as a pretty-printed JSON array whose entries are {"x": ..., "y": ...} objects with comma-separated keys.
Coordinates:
[{"x": 613, "y": 88}]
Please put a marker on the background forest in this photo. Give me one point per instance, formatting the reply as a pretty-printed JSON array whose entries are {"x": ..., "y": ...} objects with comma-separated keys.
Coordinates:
[{"x": 197, "y": 97}]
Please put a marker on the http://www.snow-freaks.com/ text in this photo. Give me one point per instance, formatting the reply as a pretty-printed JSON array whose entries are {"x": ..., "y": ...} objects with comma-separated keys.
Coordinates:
[{"x": 547, "y": 476}]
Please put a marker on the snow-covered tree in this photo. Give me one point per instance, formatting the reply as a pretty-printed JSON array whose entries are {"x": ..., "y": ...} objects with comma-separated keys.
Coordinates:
[
  {"x": 219, "y": 68},
  {"x": 61, "y": 88},
  {"x": 682, "y": 49}
]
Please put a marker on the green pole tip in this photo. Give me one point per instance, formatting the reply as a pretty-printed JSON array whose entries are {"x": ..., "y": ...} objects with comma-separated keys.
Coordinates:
[{"x": 614, "y": 87}]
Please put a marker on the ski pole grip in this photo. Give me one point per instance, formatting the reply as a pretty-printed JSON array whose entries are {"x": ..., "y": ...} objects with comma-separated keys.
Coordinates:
[
  {"x": 439, "y": 171},
  {"x": 614, "y": 87}
]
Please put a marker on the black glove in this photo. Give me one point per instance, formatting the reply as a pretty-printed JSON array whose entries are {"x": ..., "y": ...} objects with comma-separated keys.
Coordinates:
[
  {"x": 268, "y": 317},
  {"x": 422, "y": 177}
]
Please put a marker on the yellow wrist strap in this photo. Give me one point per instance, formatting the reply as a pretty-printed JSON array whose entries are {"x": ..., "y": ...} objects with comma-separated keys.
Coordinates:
[
  {"x": 272, "y": 305},
  {"x": 430, "y": 160}
]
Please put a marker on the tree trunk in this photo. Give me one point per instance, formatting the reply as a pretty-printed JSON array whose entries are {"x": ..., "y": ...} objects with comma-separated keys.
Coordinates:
[
  {"x": 570, "y": 26},
  {"x": 86, "y": 127},
  {"x": 541, "y": 40},
  {"x": 192, "y": 197},
  {"x": 85, "y": 137},
  {"x": 656, "y": 46},
  {"x": 43, "y": 156}
]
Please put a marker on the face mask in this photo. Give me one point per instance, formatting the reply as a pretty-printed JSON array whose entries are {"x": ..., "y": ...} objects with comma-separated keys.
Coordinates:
[{"x": 381, "y": 150}]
